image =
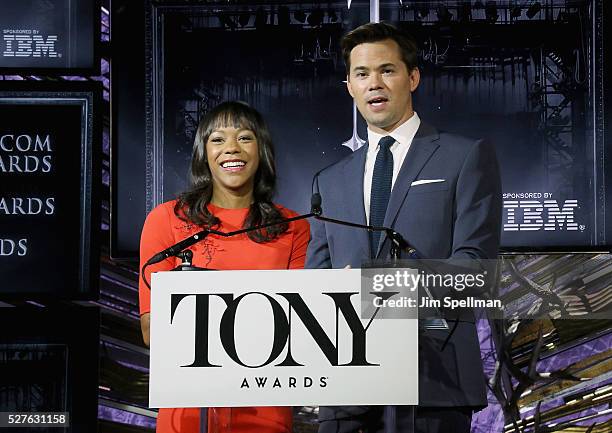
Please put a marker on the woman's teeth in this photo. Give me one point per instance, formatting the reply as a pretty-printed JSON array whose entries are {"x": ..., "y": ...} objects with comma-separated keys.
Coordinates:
[{"x": 233, "y": 164}]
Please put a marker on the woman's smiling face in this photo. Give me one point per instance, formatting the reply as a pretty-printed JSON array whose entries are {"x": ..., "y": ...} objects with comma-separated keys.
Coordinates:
[{"x": 233, "y": 158}]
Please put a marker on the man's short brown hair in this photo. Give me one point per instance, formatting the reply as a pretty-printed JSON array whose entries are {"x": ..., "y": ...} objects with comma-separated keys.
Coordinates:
[{"x": 376, "y": 32}]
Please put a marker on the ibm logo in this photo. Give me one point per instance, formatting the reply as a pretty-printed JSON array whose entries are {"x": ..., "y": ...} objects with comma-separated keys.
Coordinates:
[
  {"x": 30, "y": 46},
  {"x": 538, "y": 215}
]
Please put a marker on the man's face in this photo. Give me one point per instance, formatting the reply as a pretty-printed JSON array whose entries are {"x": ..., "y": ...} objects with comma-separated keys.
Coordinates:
[{"x": 381, "y": 85}]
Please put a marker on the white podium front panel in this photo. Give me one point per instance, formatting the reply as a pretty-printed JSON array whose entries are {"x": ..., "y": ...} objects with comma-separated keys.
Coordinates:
[{"x": 275, "y": 338}]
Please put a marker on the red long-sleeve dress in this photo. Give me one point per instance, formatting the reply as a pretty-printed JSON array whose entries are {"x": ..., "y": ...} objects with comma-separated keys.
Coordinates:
[{"x": 162, "y": 229}]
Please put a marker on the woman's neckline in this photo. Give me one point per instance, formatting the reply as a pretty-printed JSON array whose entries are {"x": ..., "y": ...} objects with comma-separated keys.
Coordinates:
[{"x": 228, "y": 208}]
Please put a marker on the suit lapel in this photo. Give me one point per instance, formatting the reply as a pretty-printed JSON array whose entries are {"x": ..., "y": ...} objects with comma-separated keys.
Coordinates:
[
  {"x": 353, "y": 199},
  {"x": 422, "y": 147}
]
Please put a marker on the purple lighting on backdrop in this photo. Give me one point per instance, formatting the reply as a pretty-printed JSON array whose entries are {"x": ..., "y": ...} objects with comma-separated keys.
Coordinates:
[
  {"x": 124, "y": 417},
  {"x": 491, "y": 419}
]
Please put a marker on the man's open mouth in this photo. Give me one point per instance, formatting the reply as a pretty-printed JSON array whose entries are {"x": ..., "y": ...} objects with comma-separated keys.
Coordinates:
[{"x": 377, "y": 101}]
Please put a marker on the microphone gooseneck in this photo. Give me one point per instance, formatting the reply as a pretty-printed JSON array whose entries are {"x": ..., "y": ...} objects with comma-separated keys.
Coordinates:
[
  {"x": 199, "y": 236},
  {"x": 178, "y": 247}
]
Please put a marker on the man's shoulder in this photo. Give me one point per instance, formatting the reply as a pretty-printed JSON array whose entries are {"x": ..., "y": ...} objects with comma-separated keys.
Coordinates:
[
  {"x": 429, "y": 132},
  {"x": 460, "y": 145},
  {"x": 447, "y": 138},
  {"x": 453, "y": 150},
  {"x": 338, "y": 167}
]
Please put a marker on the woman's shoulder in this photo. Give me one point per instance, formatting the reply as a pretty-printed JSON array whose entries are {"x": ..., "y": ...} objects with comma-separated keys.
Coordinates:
[
  {"x": 163, "y": 209},
  {"x": 162, "y": 213},
  {"x": 285, "y": 211},
  {"x": 163, "y": 217}
]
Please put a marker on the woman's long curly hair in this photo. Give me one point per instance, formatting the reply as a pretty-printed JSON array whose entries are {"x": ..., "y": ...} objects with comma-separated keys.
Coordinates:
[{"x": 191, "y": 205}]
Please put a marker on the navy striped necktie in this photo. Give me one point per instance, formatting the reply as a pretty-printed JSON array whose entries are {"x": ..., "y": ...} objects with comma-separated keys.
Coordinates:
[{"x": 381, "y": 189}]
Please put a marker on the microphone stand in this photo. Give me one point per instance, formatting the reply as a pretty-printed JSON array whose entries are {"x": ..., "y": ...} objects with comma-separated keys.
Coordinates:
[
  {"x": 180, "y": 249},
  {"x": 186, "y": 255},
  {"x": 398, "y": 244}
]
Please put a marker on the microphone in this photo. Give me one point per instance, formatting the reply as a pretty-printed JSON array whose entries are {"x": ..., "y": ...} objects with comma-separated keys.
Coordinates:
[
  {"x": 180, "y": 246},
  {"x": 199, "y": 236},
  {"x": 173, "y": 251},
  {"x": 398, "y": 243},
  {"x": 315, "y": 198},
  {"x": 315, "y": 204}
]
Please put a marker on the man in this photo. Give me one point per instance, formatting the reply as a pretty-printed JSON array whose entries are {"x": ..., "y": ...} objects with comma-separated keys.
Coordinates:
[{"x": 440, "y": 191}]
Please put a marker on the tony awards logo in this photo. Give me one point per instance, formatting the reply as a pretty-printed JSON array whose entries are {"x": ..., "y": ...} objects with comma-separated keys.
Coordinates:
[
  {"x": 283, "y": 352},
  {"x": 27, "y": 43},
  {"x": 281, "y": 336}
]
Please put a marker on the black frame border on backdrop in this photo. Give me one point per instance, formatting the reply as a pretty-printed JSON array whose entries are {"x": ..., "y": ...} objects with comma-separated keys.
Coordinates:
[
  {"x": 97, "y": 49},
  {"x": 134, "y": 10},
  {"x": 605, "y": 85},
  {"x": 78, "y": 328},
  {"x": 154, "y": 79},
  {"x": 90, "y": 93}
]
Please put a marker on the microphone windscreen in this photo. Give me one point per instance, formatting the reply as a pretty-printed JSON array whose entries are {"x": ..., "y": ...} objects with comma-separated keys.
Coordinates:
[
  {"x": 315, "y": 203},
  {"x": 315, "y": 200}
]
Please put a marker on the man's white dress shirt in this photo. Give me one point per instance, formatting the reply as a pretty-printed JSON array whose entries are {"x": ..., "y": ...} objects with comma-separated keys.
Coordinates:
[{"x": 403, "y": 135}]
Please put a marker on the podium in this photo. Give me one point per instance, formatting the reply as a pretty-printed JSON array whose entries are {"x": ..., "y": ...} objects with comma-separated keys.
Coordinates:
[{"x": 279, "y": 338}]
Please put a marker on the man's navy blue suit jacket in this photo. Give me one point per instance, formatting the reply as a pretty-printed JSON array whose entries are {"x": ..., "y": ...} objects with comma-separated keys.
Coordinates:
[{"x": 459, "y": 218}]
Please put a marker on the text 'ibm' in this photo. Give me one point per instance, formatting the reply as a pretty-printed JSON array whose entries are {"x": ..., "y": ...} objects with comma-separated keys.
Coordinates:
[
  {"x": 533, "y": 215},
  {"x": 30, "y": 46}
]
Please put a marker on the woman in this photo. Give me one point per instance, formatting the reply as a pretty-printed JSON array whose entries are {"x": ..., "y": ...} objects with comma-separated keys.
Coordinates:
[{"x": 232, "y": 184}]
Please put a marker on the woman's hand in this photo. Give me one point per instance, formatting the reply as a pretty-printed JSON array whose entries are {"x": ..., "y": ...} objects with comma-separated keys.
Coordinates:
[{"x": 145, "y": 322}]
